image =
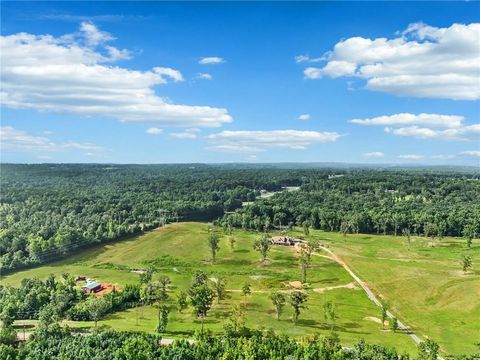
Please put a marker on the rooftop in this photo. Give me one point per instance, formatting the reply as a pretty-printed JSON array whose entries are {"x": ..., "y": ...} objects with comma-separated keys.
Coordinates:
[{"x": 91, "y": 285}]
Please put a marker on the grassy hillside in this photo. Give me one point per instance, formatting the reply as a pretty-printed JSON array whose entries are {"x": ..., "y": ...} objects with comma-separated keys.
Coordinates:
[{"x": 424, "y": 285}]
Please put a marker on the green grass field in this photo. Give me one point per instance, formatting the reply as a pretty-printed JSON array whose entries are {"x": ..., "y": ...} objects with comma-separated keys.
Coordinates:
[{"x": 424, "y": 285}]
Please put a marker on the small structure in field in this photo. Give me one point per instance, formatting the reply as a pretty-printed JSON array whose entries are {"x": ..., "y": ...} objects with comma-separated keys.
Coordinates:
[
  {"x": 296, "y": 284},
  {"x": 92, "y": 287},
  {"x": 285, "y": 240}
]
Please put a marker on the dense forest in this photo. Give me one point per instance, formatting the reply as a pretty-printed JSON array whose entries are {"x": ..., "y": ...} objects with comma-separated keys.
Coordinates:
[
  {"x": 372, "y": 202},
  {"x": 47, "y": 211},
  {"x": 51, "y": 210},
  {"x": 52, "y": 342}
]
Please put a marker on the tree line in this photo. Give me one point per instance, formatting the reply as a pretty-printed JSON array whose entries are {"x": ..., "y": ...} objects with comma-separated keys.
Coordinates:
[
  {"x": 50, "y": 341},
  {"x": 375, "y": 202},
  {"x": 47, "y": 211}
]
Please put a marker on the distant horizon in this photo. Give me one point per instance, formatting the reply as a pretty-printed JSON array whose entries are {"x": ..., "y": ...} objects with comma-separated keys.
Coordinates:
[{"x": 248, "y": 163}]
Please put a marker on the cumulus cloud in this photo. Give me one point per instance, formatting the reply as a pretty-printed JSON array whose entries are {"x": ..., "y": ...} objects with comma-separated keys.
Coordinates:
[
  {"x": 211, "y": 60},
  {"x": 204, "y": 76},
  {"x": 71, "y": 75},
  {"x": 304, "y": 117},
  {"x": 374, "y": 154},
  {"x": 470, "y": 132},
  {"x": 154, "y": 131},
  {"x": 175, "y": 75},
  {"x": 93, "y": 36},
  {"x": 255, "y": 141},
  {"x": 424, "y": 126},
  {"x": 14, "y": 140},
  {"x": 422, "y": 61},
  {"x": 411, "y": 157}
]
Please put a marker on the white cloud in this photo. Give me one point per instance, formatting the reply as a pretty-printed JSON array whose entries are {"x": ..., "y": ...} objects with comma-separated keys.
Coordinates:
[
  {"x": 471, "y": 153},
  {"x": 433, "y": 120},
  {"x": 374, "y": 154},
  {"x": 235, "y": 148},
  {"x": 411, "y": 157},
  {"x": 183, "y": 135},
  {"x": 93, "y": 36},
  {"x": 211, "y": 60},
  {"x": 423, "y": 61},
  {"x": 14, "y": 140},
  {"x": 255, "y": 141},
  {"x": 204, "y": 76},
  {"x": 187, "y": 134},
  {"x": 251, "y": 158},
  {"x": 333, "y": 69},
  {"x": 175, "y": 75},
  {"x": 306, "y": 58},
  {"x": 470, "y": 132},
  {"x": 304, "y": 117},
  {"x": 115, "y": 54},
  {"x": 425, "y": 126},
  {"x": 154, "y": 131},
  {"x": 70, "y": 75}
]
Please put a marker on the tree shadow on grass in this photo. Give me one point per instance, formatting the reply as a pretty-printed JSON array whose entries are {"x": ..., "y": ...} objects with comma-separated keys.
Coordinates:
[
  {"x": 352, "y": 325},
  {"x": 235, "y": 262},
  {"x": 117, "y": 316},
  {"x": 328, "y": 327},
  {"x": 250, "y": 305},
  {"x": 222, "y": 314},
  {"x": 331, "y": 280},
  {"x": 26, "y": 326},
  {"x": 180, "y": 332},
  {"x": 207, "y": 321},
  {"x": 241, "y": 251}
]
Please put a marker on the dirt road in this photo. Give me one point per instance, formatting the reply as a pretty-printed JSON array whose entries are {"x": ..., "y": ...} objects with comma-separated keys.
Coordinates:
[{"x": 369, "y": 293}]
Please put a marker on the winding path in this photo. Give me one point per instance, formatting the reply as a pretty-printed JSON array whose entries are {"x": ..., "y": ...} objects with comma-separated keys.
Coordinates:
[{"x": 370, "y": 293}]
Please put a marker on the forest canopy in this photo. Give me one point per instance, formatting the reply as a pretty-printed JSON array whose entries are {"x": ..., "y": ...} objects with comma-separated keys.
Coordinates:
[{"x": 48, "y": 211}]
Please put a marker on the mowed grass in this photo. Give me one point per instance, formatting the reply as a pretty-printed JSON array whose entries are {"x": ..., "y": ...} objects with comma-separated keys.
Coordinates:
[
  {"x": 423, "y": 282},
  {"x": 424, "y": 285}
]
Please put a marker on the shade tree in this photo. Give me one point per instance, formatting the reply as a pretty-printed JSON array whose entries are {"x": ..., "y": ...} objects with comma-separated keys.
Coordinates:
[{"x": 297, "y": 300}]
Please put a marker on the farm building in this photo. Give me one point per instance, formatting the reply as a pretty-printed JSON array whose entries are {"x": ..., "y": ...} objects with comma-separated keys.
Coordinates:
[
  {"x": 285, "y": 240},
  {"x": 92, "y": 287}
]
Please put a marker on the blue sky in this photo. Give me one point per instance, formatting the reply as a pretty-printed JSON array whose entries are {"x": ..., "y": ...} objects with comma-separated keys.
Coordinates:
[{"x": 152, "y": 82}]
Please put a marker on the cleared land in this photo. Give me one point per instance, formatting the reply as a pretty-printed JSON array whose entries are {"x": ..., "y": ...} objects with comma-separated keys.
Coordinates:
[{"x": 424, "y": 285}]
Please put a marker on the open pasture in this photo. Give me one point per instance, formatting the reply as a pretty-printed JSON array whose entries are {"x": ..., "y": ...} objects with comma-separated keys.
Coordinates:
[{"x": 442, "y": 306}]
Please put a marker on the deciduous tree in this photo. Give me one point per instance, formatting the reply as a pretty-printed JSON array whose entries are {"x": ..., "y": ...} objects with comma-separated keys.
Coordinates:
[
  {"x": 262, "y": 245},
  {"x": 278, "y": 300},
  {"x": 213, "y": 243},
  {"x": 297, "y": 300},
  {"x": 201, "y": 298}
]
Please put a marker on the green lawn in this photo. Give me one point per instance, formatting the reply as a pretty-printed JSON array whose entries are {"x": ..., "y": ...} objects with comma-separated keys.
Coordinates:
[{"x": 423, "y": 285}]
